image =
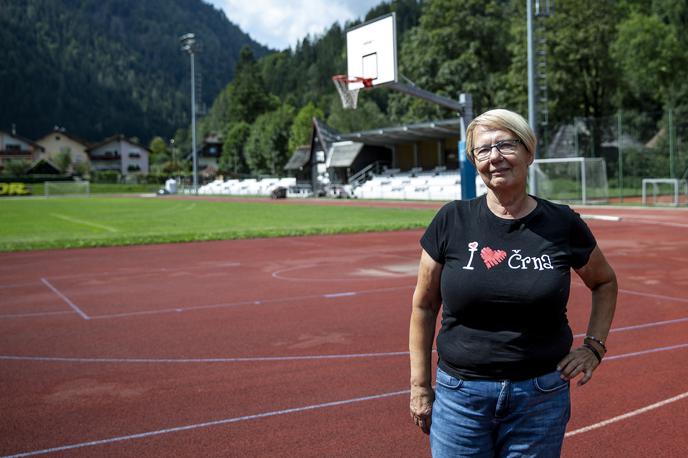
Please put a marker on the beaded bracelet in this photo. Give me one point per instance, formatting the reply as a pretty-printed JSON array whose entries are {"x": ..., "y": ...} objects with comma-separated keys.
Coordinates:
[
  {"x": 594, "y": 351},
  {"x": 598, "y": 341}
]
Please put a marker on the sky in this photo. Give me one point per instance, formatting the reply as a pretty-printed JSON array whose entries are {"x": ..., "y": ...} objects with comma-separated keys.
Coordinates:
[{"x": 280, "y": 24}]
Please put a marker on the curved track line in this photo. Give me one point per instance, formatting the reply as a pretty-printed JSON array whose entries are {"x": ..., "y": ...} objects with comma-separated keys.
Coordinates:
[
  {"x": 201, "y": 360},
  {"x": 640, "y": 293},
  {"x": 627, "y": 415},
  {"x": 641, "y": 326},
  {"x": 252, "y": 302},
  {"x": 278, "y": 275},
  {"x": 307, "y": 408},
  {"x": 35, "y": 314},
  {"x": 208, "y": 424},
  {"x": 60, "y": 359}
]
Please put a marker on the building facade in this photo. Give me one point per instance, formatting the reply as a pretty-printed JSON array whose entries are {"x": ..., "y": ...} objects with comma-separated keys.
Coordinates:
[
  {"x": 119, "y": 154},
  {"x": 59, "y": 141},
  {"x": 16, "y": 148}
]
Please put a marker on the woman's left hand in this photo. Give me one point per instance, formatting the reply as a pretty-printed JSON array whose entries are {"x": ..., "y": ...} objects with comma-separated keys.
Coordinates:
[{"x": 579, "y": 361}]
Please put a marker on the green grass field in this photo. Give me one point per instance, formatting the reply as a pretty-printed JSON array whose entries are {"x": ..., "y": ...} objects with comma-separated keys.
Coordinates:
[{"x": 29, "y": 224}]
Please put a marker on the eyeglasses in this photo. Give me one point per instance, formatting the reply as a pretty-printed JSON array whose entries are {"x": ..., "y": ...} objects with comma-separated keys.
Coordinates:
[{"x": 505, "y": 148}]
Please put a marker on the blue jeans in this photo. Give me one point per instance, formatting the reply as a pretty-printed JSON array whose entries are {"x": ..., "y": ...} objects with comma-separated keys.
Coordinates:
[{"x": 485, "y": 418}]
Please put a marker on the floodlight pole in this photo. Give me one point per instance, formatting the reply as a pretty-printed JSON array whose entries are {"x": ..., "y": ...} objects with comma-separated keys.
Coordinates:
[
  {"x": 532, "y": 94},
  {"x": 188, "y": 44}
]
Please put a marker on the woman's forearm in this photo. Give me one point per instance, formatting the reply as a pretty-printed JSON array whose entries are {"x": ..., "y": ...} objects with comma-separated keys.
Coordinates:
[
  {"x": 421, "y": 337},
  {"x": 603, "y": 307}
]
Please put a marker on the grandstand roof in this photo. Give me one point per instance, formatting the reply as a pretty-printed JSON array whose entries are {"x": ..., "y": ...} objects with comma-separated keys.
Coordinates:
[
  {"x": 325, "y": 134},
  {"x": 409, "y": 133},
  {"x": 300, "y": 158},
  {"x": 343, "y": 154}
]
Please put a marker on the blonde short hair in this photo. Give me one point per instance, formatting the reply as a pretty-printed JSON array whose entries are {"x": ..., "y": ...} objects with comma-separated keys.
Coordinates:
[{"x": 502, "y": 119}]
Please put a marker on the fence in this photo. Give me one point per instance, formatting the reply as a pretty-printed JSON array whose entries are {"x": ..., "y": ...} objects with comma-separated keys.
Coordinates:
[{"x": 635, "y": 146}]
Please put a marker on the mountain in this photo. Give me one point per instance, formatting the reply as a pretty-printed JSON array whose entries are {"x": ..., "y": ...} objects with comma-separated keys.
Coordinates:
[{"x": 101, "y": 67}]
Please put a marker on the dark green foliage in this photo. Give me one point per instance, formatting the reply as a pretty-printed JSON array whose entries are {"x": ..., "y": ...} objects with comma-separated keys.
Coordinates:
[
  {"x": 233, "y": 160},
  {"x": 302, "y": 127},
  {"x": 104, "y": 67},
  {"x": 100, "y": 67},
  {"x": 266, "y": 149}
]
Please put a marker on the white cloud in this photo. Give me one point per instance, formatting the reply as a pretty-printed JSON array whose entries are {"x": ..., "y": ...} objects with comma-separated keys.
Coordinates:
[{"x": 280, "y": 24}]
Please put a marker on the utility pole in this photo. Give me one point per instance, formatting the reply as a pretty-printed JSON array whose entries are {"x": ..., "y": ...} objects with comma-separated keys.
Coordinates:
[
  {"x": 189, "y": 45},
  {"x": 532, "y": 91}
]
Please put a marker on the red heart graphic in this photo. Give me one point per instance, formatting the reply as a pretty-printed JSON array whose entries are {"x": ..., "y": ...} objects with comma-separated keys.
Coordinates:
[{"x": 492, "y": 257}]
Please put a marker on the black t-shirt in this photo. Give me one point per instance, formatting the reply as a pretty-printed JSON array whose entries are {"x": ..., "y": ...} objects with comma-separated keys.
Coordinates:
[{"x": 505, "y": 284}]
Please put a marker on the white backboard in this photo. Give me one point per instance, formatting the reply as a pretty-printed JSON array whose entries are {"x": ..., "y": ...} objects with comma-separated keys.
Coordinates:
[{"x": 371, "y": 51}]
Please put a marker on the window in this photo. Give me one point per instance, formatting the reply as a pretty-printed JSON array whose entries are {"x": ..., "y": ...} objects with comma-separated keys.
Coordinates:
[{"x": 134, "y": 154}]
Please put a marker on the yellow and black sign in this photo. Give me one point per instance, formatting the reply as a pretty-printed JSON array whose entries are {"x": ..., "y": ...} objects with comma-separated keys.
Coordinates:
[{"x": 14, "y": 189}]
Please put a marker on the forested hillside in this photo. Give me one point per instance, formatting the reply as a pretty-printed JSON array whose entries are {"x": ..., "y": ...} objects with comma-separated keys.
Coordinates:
[
  {"x": 100, "y": 67},
  {"x": 603, "y": 57},
  {"x": 114, "y": 66}
]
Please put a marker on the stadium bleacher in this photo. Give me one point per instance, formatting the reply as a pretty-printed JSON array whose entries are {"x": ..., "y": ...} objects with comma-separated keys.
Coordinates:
[
  {"x": 414, "y": 184},
  {"x": 246, "y": 187}
]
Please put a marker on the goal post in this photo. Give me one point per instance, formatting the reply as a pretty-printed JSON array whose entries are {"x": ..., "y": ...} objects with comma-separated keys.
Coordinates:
[
  {"x": 67, "y": 188},
  {"x": 574, "y": 179}
]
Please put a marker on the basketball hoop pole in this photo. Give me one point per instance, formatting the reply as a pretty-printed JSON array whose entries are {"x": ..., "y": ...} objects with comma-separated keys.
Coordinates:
[
  {"x": 415, "y": 91},
  {"x": 468, "y": 172}
]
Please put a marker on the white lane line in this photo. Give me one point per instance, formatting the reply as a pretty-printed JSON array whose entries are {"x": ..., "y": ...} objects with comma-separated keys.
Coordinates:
[
  {"x": 208, "y": 424},
  {"x": 240, "y": 303},
  {"x": 18, "y": 285},
  {"x": 645, "y": 352},
  {"x": 251, "y": 302},
  {"x": 65, "y": 298},
  {"x": 85, "y": 223},
  {"x": 61, "y": 359},
  {"x": 34, "y": 314},
  {"x": 655, "y": 296},
  {"x": 641, "y": 326},
  {"x": 627, "y": 415},
  {"x": 639, "y": 293},
  {"x": 649, "y": 325},
  {"x": 202, "y": 360},
  {"x": 601, "y": 217},
  {"x": 329, "y": 296},
  {"x": 655, "y": 222}
]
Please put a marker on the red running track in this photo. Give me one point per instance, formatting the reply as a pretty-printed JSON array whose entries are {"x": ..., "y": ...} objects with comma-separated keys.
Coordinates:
[{"x": 297, "y": 347}]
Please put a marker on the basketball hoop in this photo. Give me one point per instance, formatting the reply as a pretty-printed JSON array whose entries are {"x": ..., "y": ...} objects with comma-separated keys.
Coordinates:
[{"x": 348, "y": 95}]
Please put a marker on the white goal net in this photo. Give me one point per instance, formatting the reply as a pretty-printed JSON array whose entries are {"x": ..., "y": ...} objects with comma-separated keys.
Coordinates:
[
  {"x": 67, "y": 188},
  {"x": 575, "y": 179}
]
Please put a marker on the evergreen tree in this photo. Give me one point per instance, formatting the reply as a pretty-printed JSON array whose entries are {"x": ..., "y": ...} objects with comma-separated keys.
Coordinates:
[
  {"x": 302, "y": 127},
  {"x": 110, "y": 66},
  {"x": 247, "y": 95},
  {"x": 233, "y": 159},
  {"x": 266, "y": 147}
]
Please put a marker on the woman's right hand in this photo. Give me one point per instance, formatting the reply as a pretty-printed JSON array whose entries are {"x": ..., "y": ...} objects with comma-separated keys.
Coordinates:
[{"x": 421, "y": 407}]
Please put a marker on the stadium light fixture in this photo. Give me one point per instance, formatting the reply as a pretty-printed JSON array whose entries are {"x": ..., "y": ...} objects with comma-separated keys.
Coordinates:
[{"x": 188, "y": 41}]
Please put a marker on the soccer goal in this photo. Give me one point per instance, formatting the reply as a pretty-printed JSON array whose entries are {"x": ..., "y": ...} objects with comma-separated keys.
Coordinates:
[
  {"x": 665, "y": 191},
  {"x": 575, "y": 179},
  {"x": 67, "y": 188}
]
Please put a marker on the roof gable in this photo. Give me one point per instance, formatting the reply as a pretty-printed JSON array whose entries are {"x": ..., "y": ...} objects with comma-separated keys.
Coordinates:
[{"x": 119, "y": 138}]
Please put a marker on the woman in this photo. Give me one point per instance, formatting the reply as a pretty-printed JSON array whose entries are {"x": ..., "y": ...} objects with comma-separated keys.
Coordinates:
[{"x": 500, "y": 266}]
